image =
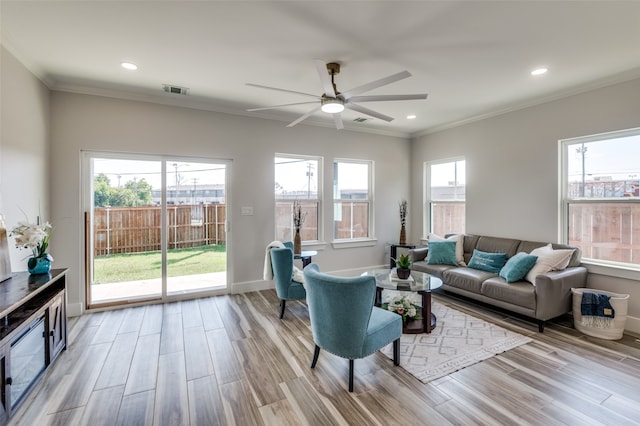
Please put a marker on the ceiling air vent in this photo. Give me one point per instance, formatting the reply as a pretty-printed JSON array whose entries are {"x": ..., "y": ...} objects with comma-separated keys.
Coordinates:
[
  {"x": 360, "y": 119},
  {"x": 175, "y": 89}
]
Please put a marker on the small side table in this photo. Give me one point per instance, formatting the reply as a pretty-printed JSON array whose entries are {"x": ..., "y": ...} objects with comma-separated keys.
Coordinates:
[
  {"x": 393, "y": 252},
  {"x": 305, "y": 256}
]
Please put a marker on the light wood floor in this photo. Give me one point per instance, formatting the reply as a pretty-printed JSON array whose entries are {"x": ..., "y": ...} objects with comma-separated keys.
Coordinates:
[{"x": 230, "y": 360}]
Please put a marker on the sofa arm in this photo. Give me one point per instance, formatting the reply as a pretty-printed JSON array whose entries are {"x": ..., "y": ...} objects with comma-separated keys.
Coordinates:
[
  {"x": 418, "y": 254},
  {"x": 553, "y": 291}
]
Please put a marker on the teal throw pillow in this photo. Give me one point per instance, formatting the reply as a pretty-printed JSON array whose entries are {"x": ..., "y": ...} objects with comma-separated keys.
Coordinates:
[
  {"x": 518, "y": 267},
  {"x": 490, "y": 262},
  {"x": 442, "y": 253}
]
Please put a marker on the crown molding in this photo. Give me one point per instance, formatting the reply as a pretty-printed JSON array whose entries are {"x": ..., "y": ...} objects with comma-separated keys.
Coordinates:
[
  {"x": 622, "y": 77},
  {"x": 182, "y": 102}
]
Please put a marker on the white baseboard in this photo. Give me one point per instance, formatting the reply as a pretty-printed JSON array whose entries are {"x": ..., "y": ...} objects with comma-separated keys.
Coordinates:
[
  {"x": 258, "y": 285},
  {"x": 75, "y": 309},
  {"x": 248, "y": 286},
  {"x": 632, "y": 325}
]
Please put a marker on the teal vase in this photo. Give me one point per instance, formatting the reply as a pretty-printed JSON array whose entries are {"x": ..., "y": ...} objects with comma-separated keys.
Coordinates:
[{"x": 39, "y": 265}]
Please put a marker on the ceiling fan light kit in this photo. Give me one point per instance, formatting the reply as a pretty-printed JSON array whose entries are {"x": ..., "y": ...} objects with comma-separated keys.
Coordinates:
[
  {"x": 332, "y": 105},
  {"x": 334, "y": 102}
]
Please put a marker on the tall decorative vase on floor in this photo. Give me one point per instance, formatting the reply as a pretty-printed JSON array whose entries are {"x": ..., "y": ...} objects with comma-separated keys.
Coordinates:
[
  {"x": 297, "y": 244},
  {"x": 403, "y": 220}
]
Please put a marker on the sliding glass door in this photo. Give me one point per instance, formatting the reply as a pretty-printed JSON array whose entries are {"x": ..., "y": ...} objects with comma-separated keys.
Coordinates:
[
  {"x": 196, "y": 238},
  {"x": 155, "y": 227}
]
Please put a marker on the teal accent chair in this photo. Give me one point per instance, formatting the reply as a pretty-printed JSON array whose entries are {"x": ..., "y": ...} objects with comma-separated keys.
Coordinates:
[
  {"x": 344, "y": 321},
  {"x": 282, "y": 266}
]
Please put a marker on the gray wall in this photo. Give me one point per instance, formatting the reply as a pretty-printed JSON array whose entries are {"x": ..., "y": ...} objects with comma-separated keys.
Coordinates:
[
  {"x": 24, "y": 149},
  {"x": 84, "y": 122},
  {"x": 513, "y": 168}
]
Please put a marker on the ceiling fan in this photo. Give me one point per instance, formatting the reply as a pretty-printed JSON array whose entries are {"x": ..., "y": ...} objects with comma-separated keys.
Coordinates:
[{"x": 334, "y": 102}]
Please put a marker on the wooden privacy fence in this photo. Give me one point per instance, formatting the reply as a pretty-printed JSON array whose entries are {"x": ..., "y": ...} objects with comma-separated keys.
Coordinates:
[
  {"x": 137, "y": 229},
  {"x": 607, "y": 231}
]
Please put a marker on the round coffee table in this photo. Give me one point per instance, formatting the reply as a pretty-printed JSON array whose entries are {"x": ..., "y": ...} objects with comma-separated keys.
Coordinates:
[{"x": 422, "y": 283}]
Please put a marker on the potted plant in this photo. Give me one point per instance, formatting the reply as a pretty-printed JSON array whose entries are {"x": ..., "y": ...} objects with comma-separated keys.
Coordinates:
[
  {"x": 36, "y": 238},
  {"x": 403, "y": 266}
]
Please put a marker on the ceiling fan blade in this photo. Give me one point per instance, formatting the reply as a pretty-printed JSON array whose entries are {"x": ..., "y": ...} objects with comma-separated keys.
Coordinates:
[
  {"x": 375, "y": 84},
  {"x": 283, "y": 90},
  {"x": 327, "y": 86},
  {"x": 279, "y": 106},
  {"x": 338, "y": 121},
  {"x": 377, "y": 98},
  {"x": 367, "y": 111},
  {"x": 293, "y": 123}
]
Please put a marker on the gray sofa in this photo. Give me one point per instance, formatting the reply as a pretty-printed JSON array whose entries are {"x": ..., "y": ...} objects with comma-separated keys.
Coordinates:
[{"x": 549, "y": 298}]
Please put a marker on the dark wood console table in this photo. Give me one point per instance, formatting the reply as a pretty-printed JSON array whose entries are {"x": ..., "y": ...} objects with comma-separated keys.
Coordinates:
[{"x": 33, "y": 332}]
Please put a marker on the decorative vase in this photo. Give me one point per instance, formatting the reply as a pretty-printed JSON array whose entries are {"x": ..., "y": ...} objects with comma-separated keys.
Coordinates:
[
  {"x": 403, "y": 273},
  {"x": 297, "y": 244},
  {"x": 403, "y": 236},
  {"x": 39, "y": 265}
]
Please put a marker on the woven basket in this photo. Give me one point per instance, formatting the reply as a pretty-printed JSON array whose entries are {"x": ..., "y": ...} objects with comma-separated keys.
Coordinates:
[{"x": 619, "y": 303}]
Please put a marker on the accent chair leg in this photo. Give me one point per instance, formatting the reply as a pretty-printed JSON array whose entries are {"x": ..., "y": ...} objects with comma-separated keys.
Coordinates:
[
  {"x": 316, "y": 352},
  {"x": 396, "y": 352},
  {"x": 282, "y": 305},
  {"x": 350, "y": 375},
  {"x": 541, "y": 326}
]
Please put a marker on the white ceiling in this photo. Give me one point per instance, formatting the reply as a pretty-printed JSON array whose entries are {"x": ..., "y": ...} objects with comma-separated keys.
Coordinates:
[{"x": 472, "y": 57}]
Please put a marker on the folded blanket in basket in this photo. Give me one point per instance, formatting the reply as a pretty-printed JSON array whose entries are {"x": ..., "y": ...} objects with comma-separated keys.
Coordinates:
[{"x": 596, "y": 310}]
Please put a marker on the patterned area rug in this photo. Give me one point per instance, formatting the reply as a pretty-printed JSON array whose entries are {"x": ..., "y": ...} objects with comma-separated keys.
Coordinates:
[{"x": 458, "y": 341}]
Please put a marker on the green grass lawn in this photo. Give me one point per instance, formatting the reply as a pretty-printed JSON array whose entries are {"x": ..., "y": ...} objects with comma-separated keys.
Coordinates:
[{"x": 139, "y": 266}]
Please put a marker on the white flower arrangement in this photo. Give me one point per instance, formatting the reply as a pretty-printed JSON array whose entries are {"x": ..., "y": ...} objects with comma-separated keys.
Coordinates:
[
  {"x": 403, "y": 306},
  {"x": 34, "y": 237}
]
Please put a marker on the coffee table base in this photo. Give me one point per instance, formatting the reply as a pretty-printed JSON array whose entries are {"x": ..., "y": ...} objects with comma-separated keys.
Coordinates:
[{"x": 417, "y": 326}]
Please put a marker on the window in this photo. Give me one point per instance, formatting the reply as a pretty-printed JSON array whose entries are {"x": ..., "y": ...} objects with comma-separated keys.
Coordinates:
[
  {"x": 296, "y": 179},
  {"x": 444, "y": 211},
  {"x": 352, "y": 199},
  {"x": 600, "y": 196}
]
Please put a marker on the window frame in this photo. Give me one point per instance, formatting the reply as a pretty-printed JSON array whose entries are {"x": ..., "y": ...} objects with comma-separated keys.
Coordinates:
[
  {"x": 427, "y": 219},
  {"x": 609, "y": 267},
  {"x": 318, "y": 199},
  {"x": 370, "y": 240}
]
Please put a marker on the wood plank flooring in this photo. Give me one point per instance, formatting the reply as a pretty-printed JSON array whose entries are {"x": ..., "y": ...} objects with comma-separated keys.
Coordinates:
[{"x": 229, "y": 360}]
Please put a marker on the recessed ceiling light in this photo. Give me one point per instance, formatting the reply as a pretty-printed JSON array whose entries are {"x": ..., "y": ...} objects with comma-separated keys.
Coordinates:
[
  {"x": 539, "y": 71},
  {"x": 128, "y": 66},
  {"x": 411, "y": 117}
]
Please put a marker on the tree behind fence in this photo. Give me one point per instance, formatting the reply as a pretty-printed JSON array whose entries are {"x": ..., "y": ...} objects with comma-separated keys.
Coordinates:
[{"x": 137, "y": 229}]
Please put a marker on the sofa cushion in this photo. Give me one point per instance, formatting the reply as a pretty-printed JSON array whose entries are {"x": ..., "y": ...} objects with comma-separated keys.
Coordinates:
[
  {"x": 459, "y": 239},
  {"x": 435, "y": 270},
  {"x": 498, "y": 245},
  {"x": 517, "y": 267},
  {"x": 490, "y": 262},
  {"x": 466, "y": 278},
  {"x": 520, "y": 293},
  {"x": 548, "y": 260},
  {"x": 576, "y": 257},
  {"x": 442, "y": 253}
]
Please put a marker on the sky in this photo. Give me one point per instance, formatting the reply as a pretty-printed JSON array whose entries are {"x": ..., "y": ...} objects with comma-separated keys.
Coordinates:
[
  {"x": 618, "y": 158},
  {"x": 204, "y": 173}
]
